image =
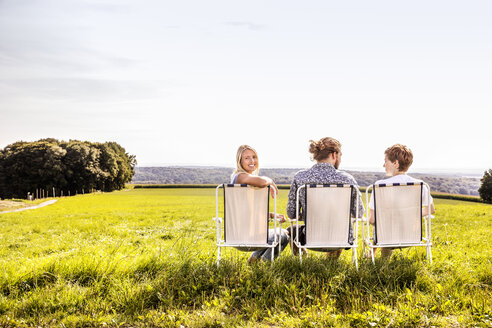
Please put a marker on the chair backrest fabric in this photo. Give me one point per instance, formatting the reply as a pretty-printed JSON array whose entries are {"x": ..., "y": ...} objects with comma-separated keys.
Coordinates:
[
  {"x": 246, "y": 211},
  {"x": 398, "y": 213},
  {"x": 328, "y": 214}
]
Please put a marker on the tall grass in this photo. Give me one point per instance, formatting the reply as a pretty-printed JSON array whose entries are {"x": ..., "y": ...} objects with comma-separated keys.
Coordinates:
[{"x": 146, "y": 257}]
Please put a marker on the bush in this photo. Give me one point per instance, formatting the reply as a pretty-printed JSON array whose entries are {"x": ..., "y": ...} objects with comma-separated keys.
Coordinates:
[{"x": 485, "y": 190}]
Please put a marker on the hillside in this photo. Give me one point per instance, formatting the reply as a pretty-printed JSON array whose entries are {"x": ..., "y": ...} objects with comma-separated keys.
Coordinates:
[{"x": 446, "y": 183}]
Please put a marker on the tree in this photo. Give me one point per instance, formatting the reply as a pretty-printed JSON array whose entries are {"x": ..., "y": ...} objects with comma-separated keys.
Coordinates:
[
  {"x": 82, "y": 166},
  {"x": 485, "y": 190},
  {"x": 71, "y": 166},
  {"x": 27, "y": 166},
  {"x": 118, "y": 167}
]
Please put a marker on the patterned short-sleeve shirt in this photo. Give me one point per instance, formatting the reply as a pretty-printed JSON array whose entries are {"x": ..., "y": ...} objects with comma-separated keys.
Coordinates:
[{"x": 320, "y": 173}]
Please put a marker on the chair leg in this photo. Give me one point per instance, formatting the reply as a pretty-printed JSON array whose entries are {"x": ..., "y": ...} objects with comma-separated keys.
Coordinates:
[
  {"x": 429, "y": 254},
  {"x": 354, "y": 251},
  {"x": 218, "y": 256},
  {"x": 372, "y": 255},
  {"x": 280, "y": 245},
  {"x": 291, "y": 239},
  {"x": 363, "y": 242}
]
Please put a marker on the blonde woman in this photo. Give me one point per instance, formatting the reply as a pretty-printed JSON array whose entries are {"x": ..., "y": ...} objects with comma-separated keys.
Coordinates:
[{"x": 246, "y": 172}]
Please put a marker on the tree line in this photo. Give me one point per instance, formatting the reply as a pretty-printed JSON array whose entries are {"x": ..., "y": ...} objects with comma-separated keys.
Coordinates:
[{"x": 73, "y": 167}]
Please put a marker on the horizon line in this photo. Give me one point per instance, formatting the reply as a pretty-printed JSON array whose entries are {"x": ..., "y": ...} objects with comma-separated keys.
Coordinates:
[{"x": 472, "y": 171}]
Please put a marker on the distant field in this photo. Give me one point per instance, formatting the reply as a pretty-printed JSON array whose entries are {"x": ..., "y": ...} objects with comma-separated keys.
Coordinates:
[{"x": 146, "y": 257}]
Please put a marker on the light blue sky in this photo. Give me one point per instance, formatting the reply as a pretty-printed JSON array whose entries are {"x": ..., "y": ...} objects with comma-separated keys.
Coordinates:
[{"x": 187, "y": 82}]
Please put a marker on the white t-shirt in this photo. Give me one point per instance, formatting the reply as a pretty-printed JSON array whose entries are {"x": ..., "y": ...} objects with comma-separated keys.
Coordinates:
[{"x": 403, "y": 178}]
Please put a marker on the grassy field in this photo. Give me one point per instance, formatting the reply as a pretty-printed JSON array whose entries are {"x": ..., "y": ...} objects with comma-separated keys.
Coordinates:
[{"x": 146, "y": 257}]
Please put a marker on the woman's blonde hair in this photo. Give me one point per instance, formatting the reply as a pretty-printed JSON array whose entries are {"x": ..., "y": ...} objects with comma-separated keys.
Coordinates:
[{"x": 239, "y": 155}]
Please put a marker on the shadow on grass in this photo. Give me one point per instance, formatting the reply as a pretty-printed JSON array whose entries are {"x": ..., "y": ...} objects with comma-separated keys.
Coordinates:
[{"x": 241, "y": 289}]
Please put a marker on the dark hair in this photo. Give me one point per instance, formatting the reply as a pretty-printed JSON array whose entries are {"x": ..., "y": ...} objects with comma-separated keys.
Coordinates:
[{"x": 324, "y": 147}]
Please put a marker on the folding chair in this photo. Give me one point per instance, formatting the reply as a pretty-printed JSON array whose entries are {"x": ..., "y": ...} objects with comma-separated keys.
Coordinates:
[
  {"x": 246, "y": 213},
  {"x": 327, "y": 218},
  {"x": 398, "y": 217}
]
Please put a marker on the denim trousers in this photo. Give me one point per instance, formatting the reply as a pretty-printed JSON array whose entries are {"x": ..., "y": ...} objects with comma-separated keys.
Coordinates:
[{"x": 266, "y": 253}]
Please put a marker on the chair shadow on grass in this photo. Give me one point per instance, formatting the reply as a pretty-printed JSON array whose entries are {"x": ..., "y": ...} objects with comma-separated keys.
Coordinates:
[
  {"x": 318, "y": 278},
  {"x": 396, "y": 273}
]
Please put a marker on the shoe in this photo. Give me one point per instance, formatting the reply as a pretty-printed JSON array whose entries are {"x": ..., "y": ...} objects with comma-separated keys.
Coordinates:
[
  {"x": 295, "y": 250},
  {"x": 252, "y": 260}
]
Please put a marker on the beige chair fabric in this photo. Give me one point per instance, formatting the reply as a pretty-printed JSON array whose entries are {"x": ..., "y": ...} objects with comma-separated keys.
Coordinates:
[
  {"x": 398, "y": 214},
  {"x": 246, "y": 216},
  {"x": 327, "y": 216}
]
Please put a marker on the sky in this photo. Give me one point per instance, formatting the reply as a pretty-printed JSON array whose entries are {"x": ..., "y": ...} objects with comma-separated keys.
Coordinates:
[{"x": 186, "y": 82}]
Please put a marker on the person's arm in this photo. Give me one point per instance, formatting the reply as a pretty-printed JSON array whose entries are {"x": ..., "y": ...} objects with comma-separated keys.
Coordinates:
[
  {"x": 291, "y": 203},
  {"x": 257, "y": 181},
  {"x": 371, "y": 208},
  {"x": 425, "y": 202},
  {"x": 371, "y": 217},
  {"x": 356, "y": 196},
  {"x": 425, "y": 210}
]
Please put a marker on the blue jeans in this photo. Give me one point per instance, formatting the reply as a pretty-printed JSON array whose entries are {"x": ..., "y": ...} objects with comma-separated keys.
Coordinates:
[{"x": 266, "y": 253}]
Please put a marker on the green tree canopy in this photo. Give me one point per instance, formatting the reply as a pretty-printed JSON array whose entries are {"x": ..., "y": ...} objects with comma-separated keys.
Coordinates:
[
  {"x": 485, "y": 190},
  {"x": 72, "y": 166}
]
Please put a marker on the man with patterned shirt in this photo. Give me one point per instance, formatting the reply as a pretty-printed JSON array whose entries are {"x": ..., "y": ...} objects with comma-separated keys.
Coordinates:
[{"x": 327, "y": 152}]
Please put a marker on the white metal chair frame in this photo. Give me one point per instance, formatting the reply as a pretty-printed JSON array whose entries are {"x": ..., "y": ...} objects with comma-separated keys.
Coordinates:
[
  {"x": 354, "y": 222},
  {"x": 426, "y": 240},
  {"x": 218, "y": 220}
]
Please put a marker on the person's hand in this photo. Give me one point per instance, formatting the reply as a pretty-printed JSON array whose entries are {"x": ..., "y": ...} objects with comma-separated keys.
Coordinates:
[{"x": 280, "y": 217}]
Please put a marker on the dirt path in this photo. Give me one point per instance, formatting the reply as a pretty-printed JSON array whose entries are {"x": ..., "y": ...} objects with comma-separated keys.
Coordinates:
[{"x": 49, "y": 202}]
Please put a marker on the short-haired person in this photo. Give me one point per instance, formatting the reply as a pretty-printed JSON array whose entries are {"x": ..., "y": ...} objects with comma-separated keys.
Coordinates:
[
  {"x": 327, "y": 152},
  {"x": 247, "y": 168},
  {"x": 397, "y": 160}
]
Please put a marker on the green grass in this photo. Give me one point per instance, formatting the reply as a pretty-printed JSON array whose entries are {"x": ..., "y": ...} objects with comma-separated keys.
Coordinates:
[{"x": 146, "y": 257}]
